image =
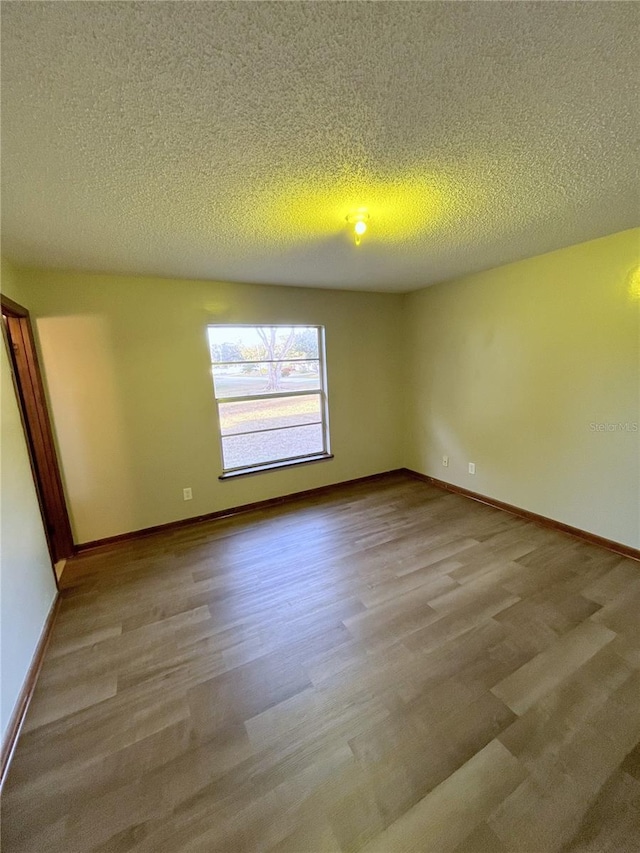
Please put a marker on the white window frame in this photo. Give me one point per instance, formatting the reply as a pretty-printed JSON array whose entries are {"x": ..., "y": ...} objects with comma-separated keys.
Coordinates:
[{"x": 284, "y": 462}]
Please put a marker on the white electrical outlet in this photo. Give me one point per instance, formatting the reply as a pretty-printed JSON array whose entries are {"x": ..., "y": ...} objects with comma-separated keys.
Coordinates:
[
  {"x": 445, "y": 461},
  {"x": 472, "y": 467},
  {"x": 187, "y": 494}
]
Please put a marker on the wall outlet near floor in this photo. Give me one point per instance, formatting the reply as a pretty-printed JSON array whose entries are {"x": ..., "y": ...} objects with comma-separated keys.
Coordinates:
[
  {"x": 445, "y": 461},
  {"x": 472, "y": 467},
  {"x": 187, "y": 494}
]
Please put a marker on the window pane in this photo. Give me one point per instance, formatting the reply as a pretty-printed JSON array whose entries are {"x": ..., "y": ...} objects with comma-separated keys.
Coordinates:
[
  {"x": 243, "y": 380},
  {"x": 261, "y": 447},
  {"x": 262, "y": 343},
  {"x": 252, "y": 415}
]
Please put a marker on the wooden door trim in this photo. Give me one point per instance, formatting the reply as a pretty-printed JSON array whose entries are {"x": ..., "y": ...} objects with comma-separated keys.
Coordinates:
[
  {"x": 11, "y": 308},
  {"x": 37, "y": 427}
]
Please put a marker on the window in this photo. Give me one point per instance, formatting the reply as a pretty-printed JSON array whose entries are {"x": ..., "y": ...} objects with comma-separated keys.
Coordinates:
[{"x": 270, "y": 389}]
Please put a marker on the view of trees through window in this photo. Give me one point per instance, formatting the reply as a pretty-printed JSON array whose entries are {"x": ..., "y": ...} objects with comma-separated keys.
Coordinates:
[{"x": 269, "y": 386}]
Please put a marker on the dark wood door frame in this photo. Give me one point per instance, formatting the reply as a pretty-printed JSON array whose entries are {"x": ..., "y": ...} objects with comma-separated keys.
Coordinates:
[{"x": 23, "y": 357}]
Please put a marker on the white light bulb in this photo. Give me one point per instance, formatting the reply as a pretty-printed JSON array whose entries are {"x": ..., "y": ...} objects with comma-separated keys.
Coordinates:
[{"x": 360, "y": 227}]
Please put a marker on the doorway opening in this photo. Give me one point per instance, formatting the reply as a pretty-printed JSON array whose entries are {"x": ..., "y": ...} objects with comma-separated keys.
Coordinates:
[{"x": 18, "y": 335}]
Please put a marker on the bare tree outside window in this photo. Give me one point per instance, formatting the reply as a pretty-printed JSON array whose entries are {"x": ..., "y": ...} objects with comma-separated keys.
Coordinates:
[{"x": 275, "y": 353}]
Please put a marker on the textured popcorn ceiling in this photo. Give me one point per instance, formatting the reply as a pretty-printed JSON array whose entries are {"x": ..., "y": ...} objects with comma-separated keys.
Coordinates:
[{"x": 230, "y": 140}]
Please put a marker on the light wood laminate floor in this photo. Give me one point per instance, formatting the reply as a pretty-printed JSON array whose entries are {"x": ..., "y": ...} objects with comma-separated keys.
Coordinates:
[{"x": 388, "y": 667}]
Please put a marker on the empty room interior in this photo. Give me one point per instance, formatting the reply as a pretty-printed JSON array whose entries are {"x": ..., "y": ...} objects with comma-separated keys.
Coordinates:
[{"x": 320, "y": 482}]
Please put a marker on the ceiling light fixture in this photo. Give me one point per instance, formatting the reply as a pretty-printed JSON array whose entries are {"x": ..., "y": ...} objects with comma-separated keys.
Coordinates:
[{"x": 359, "y": 219}]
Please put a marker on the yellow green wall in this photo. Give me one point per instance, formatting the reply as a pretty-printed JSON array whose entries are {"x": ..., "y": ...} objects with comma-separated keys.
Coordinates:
[
  {"x": 127, "y": 371},
  {"x": 510, "y": 368}
]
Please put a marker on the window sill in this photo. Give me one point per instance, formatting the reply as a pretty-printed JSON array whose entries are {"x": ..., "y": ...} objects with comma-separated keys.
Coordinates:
[{"x": 274, "y": 466}]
